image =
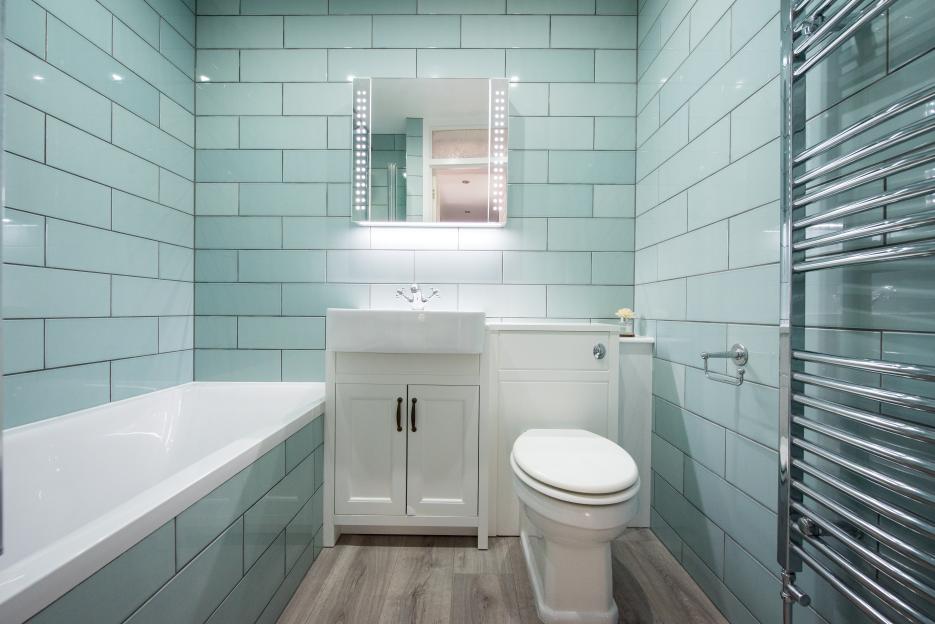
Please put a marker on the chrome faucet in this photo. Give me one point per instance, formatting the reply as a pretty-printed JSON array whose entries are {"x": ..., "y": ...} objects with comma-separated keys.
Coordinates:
[{"x": 416, "y": 299}]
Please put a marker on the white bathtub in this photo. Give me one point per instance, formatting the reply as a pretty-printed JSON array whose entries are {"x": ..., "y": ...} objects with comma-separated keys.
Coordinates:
[{"x": 82, "y": 488}]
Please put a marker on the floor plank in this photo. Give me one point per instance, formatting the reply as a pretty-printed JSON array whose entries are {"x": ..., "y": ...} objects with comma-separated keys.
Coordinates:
[{"x": 445, "y": 580}]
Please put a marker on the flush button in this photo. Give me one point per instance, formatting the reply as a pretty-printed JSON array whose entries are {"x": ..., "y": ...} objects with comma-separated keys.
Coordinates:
[{"x": 599, "y": 351}]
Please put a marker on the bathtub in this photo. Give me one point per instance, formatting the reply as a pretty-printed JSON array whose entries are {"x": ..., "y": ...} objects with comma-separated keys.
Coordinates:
[{"x": 82, "y": 488}]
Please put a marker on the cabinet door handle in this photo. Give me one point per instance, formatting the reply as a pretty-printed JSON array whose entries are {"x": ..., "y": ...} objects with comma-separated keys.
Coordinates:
[
  {"x": 413, "y": 415},
  {"x": 399, "y": 409}
]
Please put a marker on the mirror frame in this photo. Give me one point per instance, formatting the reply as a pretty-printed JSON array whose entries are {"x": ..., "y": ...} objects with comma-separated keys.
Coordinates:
[{"x": 497, "y": 155}]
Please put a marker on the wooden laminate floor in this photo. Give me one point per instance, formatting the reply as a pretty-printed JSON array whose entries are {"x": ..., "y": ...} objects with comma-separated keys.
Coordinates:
[{"x": 380, "y": 579}]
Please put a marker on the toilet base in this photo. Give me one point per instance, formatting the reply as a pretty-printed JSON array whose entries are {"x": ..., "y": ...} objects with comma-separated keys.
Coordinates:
[{"x": 572, "y": 582}]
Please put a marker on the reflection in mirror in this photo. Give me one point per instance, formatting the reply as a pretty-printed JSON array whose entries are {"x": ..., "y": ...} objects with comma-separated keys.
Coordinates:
[{"x": 430, "y": 151}]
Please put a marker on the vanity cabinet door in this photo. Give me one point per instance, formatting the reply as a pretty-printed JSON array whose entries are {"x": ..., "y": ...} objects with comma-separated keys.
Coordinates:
[
  {"x": 370, "y": 449},
  {"x": 443, "y": 436}
]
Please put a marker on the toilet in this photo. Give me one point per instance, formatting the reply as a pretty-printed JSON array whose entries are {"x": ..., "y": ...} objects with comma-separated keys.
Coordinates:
[{"x": 577, "y": 493}]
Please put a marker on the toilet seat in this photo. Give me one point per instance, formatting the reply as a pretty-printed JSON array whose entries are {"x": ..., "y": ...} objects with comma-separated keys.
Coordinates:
[{"x": 574, "y": 466}]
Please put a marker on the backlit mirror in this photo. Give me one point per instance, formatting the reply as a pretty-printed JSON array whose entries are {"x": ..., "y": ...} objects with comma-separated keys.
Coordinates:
[{"x": 430, "y": 151}]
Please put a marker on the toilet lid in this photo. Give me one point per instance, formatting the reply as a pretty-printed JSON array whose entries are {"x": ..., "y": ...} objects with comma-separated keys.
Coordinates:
[{"x": 575, "y": 460}]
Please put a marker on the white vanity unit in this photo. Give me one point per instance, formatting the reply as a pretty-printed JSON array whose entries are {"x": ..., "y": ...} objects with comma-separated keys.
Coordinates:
[{"x": 406, "y": 422}]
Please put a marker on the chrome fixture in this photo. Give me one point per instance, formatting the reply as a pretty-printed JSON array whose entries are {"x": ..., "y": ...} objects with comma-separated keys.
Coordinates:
[
  {"x": 416, "y": 299},
  {"x": 738, "y": 354},
  {"x": 599, "y": 351},
  {"x": 856, "y": 456}
]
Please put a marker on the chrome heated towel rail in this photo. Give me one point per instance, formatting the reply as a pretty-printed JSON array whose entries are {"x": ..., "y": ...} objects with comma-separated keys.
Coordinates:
[{"x": 857, "y": 335}]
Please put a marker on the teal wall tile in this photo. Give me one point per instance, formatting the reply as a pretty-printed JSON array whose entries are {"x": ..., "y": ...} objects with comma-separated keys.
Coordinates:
[
  {"x": 283, "y": 65},
  {"x": 550, "y": 6},
  {"x": 461, "y": 63},
  {"x": 280, "y": 332},
  {"x": 546, "y": 267},
  {"x": 73, "y": 246},
  {"x": 24, "y": 130},
  {"x": 597, "y": 167},
  {"x": 317, "y": 99},
  {"x": 238, "y": 232},
  {"x": 715, "y": 588},
  {"x": 84, "y": 155},
  {"x": 29, "y": 397},
  {"x": 139, "y": 16},
  {"x": 23, "y": 238},
  {"x": 283, "y": 132},
  {"x": 35, "y": 292},
  {"x": 218, "y": 132},
  {"x": 240, "y": 32},
  {"x": 176, "y": 49},
  {"x": 24, "y": 23},
  {"x": 216, "y": 199},
  {"x": 23, "y": 347},
  {"x": 177, "y": 121},
  {"x": 200, "y": 524},
  {"x": 216, "y": 332},
  {"x": 246, "y": 602},
  {"x": 372, "y": 63},
  {"x": 578, "y": 301},
  {"x": 572, "y": 133},
  {"x": 423, "y": 31},
  {"x": 148, "y": 141},
  {"x": 176, "y": 192},
  {"x": 593, "y": 32},
  {"x": 598, "y": 99},
  {"x": 370, "y": 266},
  {"x": 116, "y": 590},
  {"x": 46, "y": 88},
  {"x": 238, "y": 99},
  {"x": 301, "y": 443},
  {"x": 139, "y": 217},
  {"x": 753, "y": 468},
  {"x": 368, "y": 7},
  {"x": 87, "y": 17},
  {"x": 749, "y": 411},
  {"x": 138, "y": 296},
  {"x": 139, "y": 375},
  {"x": 285, "y": 592},
  {"x": 592, "y": 235},
  {"x": 316, "y": 166},
  {"x": 180, "y": 14},
  {"x": 697, "y": 532},
  {"x": 335, "y": 31},
  {"x": 238, "y": 299},
  {"x": 752, "y": 583},
  {"x": 235, "y": 365},
  {"x": 303, "y": 365},
  {"x": 550, "y": 200},
  {"x": 196, "y": 591},
  {"x": 315, "y": 299},
  {"x": 80, "y": 341},
  {"x": 614, "y": 200},
  {"x": 302, "y": 529},
  {"x": 217, "y": 65},
  {"x": 491, "y": 31},
  {"x": 614, "y": 133},
  {"x": 75, "y": 55},
  {"x": 284, "y": 7},
  {"x": 176, "y": 333},
  {"x": 218, "y": 7},
  {"x": 483, "y": 7},
  {"x": 271, "y": 514},
  {"x": 611, "y": 267},
  {"x": 668, "y": 462},
  {"x": 614, "y": 66},
  {"x": 281, "y": 266},
  {"x": 550, "y": 65},
  {"x": 696, "y": 437},
  {"x": 287, "y": 199},
  {"x": 239, "y": 166}
]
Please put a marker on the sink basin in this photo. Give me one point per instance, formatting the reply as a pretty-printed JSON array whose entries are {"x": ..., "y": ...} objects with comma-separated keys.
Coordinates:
[{"x": 405, "y": 331}]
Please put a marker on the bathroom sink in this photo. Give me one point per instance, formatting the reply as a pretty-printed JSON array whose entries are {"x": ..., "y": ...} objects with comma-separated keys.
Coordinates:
[{"x": 405, "y": 331}]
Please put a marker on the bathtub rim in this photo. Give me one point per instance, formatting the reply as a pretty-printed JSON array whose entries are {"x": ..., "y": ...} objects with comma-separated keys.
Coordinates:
[{"x": 91, "y": 547}]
